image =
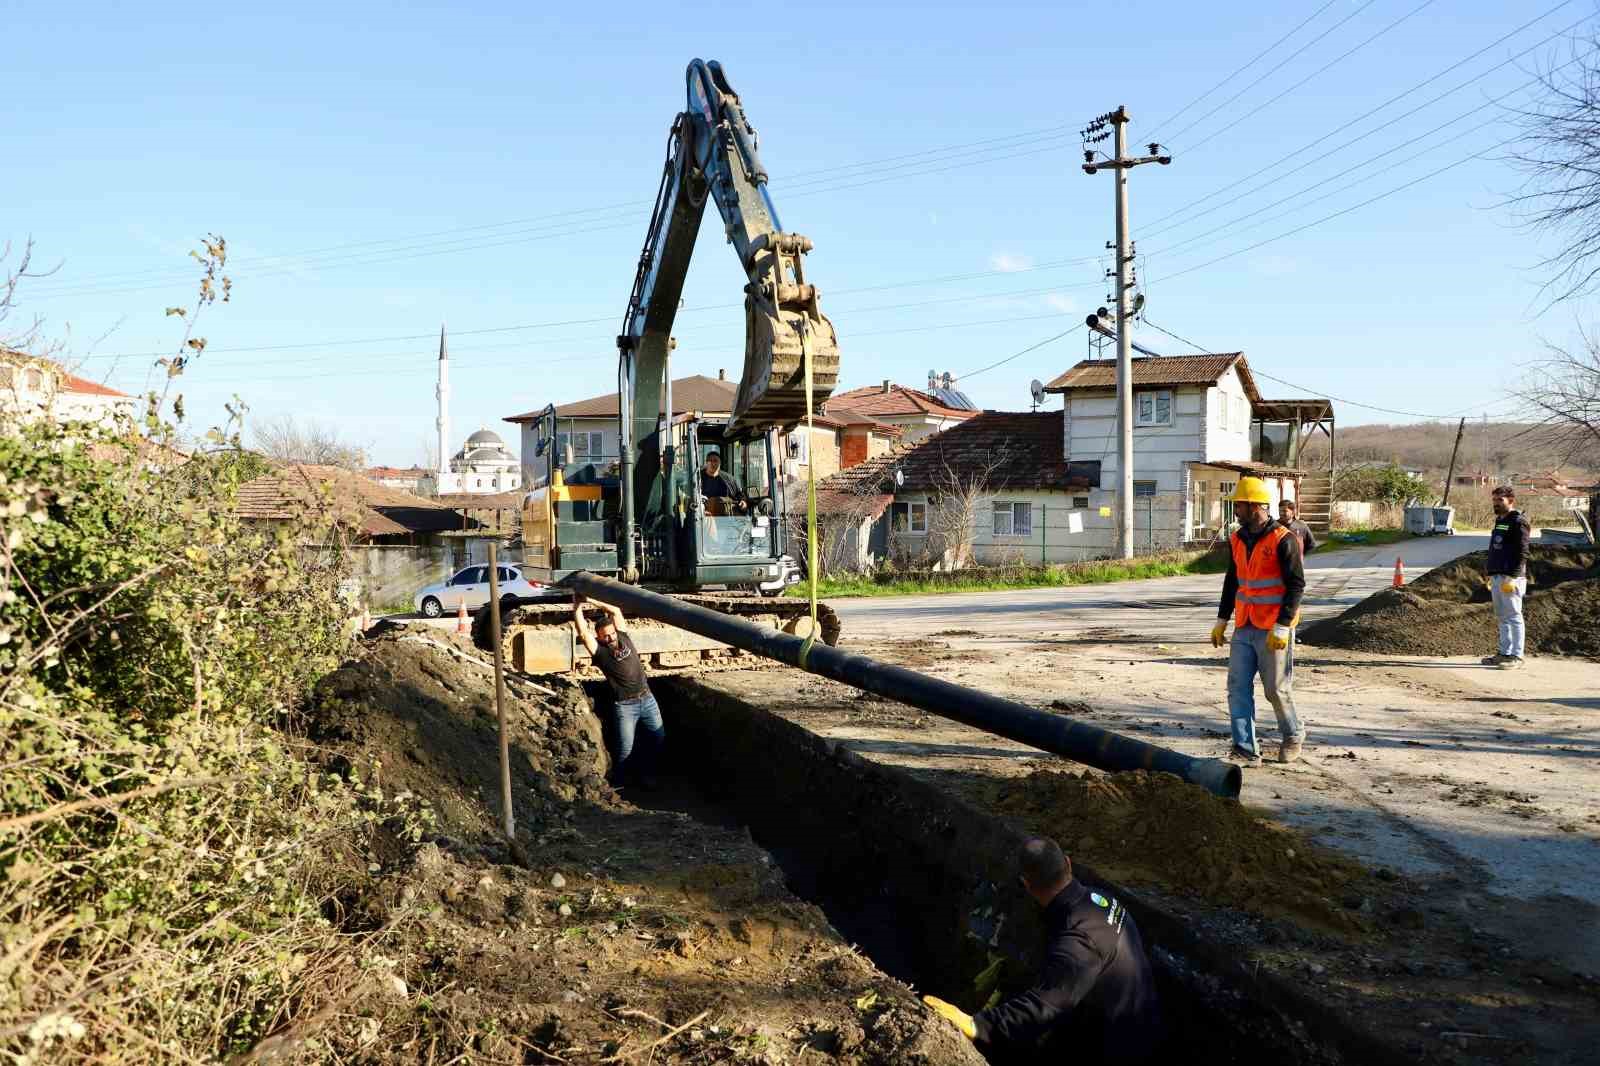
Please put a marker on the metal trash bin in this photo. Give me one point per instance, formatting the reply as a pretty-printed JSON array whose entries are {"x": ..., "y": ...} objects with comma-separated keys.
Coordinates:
[
  {"x": 1419, "y": 521},
  {"x": 1444, "y": 521}
]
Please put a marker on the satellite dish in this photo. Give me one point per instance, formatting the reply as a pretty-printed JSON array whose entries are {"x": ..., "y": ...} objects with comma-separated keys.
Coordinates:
[
  {"x": 1037, "y": 388},
  {"x": 899, "y": 476}
]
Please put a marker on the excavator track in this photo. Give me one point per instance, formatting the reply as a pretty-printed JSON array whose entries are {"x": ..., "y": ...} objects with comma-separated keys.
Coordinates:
[{"x": 537, "y": 637}]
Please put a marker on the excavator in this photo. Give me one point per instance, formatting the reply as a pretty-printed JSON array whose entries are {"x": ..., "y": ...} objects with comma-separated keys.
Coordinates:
[{"x": 655, "y": 517}]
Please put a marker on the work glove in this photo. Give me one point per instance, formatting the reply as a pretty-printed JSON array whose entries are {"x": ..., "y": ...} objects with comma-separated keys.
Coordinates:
[
  {"x": 1279, "y": 638},
  {"x": 957, "y": 1017},
  {"x": 1507, "y": 587},
  {"x": 1219, "y": 633}
]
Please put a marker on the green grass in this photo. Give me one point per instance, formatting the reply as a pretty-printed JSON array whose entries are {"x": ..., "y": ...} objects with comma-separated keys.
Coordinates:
[
  {"x": 1370, "y": 538},
  {"x": 1099, "y": 572}
]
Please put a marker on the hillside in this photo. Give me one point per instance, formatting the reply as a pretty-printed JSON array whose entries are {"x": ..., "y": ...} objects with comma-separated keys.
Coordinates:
[{"x": 1499, "y": 448}]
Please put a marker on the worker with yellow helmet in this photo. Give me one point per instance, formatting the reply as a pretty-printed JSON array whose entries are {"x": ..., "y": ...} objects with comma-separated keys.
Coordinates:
[{"x": 1266, "y": 578}]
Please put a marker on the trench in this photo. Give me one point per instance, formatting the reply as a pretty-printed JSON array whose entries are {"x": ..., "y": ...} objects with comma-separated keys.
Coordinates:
[{"x": 925, "y": 885}]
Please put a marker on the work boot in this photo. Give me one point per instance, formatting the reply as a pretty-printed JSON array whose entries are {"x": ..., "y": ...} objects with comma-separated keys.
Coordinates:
[
  {"x": 1493, "y": 660},
  {"x": 1243, "y": 757},
  {"x": 1510, "y": 662},
  {"x": 1290, "y": 750}
]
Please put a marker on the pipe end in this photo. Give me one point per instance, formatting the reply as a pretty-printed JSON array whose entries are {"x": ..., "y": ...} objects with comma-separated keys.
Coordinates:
[{"x": 1217, "y": 776}]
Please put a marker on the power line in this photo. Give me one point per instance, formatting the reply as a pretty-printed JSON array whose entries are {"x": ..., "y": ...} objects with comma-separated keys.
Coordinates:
[
  {"x": 1303, "y": 388},
  {"x": 1257, "y": 109},
  {"x": 1158, "y": 228},
  {"x": 1018, "y": 355},
  {"x": 1240, "y": 70},
  {"x": 1287, "y": 60},
  {"x": 795, "y": 187}
]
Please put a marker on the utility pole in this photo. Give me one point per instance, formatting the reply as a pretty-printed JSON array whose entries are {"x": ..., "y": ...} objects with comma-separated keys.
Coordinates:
[
  {"x": 1450, "y": 475},
  {"x": 1120, "y": 164}
]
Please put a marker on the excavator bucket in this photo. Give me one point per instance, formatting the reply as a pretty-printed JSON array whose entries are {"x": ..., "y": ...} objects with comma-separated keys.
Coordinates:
[{"x": 782, "y": 320}]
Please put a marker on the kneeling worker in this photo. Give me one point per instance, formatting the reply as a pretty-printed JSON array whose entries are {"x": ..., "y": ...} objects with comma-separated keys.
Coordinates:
[
  {"x": 616, "y": 657},
  {"x": 1266, "y": 578},
  {"x": 1095, "y": 999}
]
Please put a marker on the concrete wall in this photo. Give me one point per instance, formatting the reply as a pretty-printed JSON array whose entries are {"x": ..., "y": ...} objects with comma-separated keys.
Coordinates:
[{"x": 388, "y": 574}]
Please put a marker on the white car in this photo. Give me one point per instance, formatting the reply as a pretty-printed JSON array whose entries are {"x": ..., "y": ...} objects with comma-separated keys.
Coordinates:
[{"x": 470, "y": 585}]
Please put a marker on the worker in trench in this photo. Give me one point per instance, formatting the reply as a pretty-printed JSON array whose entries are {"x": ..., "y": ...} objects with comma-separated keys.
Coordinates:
[
  {"x": 1507, "y": 567},
  {"x": 1266, "y": 579},
  {"x": 1095, "y": 999},
  {"x": 636, "y": 718}
]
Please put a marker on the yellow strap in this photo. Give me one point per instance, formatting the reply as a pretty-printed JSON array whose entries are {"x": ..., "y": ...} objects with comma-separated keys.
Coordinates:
[{"x": 811, "y": 499}]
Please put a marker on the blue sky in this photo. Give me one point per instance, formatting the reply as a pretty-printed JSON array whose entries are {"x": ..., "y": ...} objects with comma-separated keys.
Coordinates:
[{"x": 378, "y": 169}]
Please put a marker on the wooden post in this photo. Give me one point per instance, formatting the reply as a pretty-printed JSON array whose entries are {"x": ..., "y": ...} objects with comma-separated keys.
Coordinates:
[
  {"x": 507, "y": 822},
  {"x": 1450, "y": 475}
]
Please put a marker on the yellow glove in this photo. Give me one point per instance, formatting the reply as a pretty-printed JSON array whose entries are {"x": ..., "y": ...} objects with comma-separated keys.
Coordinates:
[
  {"x": 1507, "y": 587},
  {"x": 1279, "y": 638},
  {"x": 1219, "y": 633},
  {"x": 957, "y": 1017}
]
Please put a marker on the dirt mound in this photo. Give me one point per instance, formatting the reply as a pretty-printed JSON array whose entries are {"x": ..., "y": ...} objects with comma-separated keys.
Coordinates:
[
  {"x": 1448, "y": 611},
  {"x": 631, "y": 935},
  {"x": 418, "y": 712},
  {"x": 1154, "y": 828}
]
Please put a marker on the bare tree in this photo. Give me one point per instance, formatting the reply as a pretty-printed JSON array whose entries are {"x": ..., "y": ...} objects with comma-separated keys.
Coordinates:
[
  {"x": 430, "y": 453},
  {"x": 1560, "y": 394},
  {"x": 1559, "y": 152},
  {"x": 12, "y": 275},
  {"x": 956, "y": 504},
  {"x": 290, "y": 441}
]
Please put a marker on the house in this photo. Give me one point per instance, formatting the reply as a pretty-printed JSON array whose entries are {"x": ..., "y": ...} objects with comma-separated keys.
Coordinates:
[
  {"x": 590, "y": 426},
  {"x": 916, "y": 413},
  {"x": 34, "y": 387},
  {"x": 1199, "y": 425},
  {"x": 992, "y": 489},
  {"x": 413, "y": 479},
  {"x": 399, "y": 541}
]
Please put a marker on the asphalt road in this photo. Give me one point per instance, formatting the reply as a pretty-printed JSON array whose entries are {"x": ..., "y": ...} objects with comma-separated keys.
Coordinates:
[{"x": 1158, "y": 609}]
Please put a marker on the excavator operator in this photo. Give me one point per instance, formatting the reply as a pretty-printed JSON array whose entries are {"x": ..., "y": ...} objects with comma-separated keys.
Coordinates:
[{"x": 722, "y": 494}]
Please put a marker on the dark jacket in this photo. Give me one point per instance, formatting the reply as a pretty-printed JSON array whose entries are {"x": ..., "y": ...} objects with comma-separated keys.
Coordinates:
[
  {"x": 1508, "y": 545},
  {"x": 720, "y": 484},
  {"x": 1096, "y": 982},
  {"x": 1308, "y": 539},
  {"x": 1289, "y": 561}
]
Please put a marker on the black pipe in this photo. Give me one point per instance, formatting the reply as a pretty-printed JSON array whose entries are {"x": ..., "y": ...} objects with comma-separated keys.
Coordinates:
[{"x": 1070, "y": 739}]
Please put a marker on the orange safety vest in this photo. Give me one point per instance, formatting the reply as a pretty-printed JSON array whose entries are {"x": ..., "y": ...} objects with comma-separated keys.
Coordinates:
[{"x": 1261, "y": 586}]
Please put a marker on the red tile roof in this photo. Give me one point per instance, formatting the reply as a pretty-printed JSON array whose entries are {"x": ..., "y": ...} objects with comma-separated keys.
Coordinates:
[
  {"x": 694, "y": 393},
  {"x": 353, "y": 499},
  {"x": 377, "y": 472},
  {"x": 898, "y": 400},
  {"x": 73, "y": 383},
  {"x": 1153, "y": 371}
]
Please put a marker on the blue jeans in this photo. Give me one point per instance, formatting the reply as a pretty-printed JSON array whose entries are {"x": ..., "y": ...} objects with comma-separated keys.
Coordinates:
[
  {"x": 1248, "y": 656},
  {"x": 632, "y": 716},
  {"x": 1508, "y": 610}
]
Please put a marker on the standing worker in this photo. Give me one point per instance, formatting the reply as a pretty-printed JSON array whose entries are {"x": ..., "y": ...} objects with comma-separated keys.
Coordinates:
[
  {"x": 1266, "y": 578},
  {"x": 1095, "y": 1000},
  {"x": 614, "y": 653},
  {"x": 1289, "y": 515},
  {"x": 1507, "y": 567}
]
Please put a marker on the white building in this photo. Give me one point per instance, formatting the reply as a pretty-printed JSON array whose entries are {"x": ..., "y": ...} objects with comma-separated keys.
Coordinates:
[
  {"x": 1199, "y": 425},
  {"x": 34, "y": 387},
  {"x": 483, "y": 464}
]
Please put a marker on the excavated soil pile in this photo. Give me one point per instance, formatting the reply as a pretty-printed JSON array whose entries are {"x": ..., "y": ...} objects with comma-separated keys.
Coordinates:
[
  {"x": 618, "y": 935},
  {"x": 1448, "y": 611},
  {"x": 1156, "y": 829}
]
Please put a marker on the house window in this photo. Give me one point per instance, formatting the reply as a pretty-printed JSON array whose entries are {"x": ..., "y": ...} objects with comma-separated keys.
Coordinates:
[
  {"x": 1013, "y": 519},
  {"x": 35, "y": 379},
  {"x": 1153, "y": 408},
  {"x": 1143, "y": 488},
  {"x": 1080, "y": 502},
  {"x": 1225, "y": 487},
  {"x": 1225, "y": 402},
  {"x": 800, "y": 447},
  {"x": 910, "y": 518}
]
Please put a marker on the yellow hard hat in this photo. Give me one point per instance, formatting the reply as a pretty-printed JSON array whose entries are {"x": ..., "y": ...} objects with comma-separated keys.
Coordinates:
[{"x": 1251, "y": 490}]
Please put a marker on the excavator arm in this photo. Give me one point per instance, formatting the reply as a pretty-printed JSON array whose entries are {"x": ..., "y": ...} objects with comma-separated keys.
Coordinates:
[{"x": 711, "y": 153}]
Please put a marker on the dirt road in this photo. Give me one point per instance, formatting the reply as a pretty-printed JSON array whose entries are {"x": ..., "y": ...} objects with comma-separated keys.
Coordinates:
[{"x": 1441, "y": 769}]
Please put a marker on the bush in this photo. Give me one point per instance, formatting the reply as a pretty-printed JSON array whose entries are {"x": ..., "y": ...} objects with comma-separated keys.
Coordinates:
[
  {"x": 1382, "y": 484},
  {"x": 167, "y": 856}
]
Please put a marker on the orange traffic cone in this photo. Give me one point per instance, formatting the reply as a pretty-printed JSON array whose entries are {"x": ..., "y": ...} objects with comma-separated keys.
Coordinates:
[
  {"x": 461, "y": 615},
  {"x": 1399, "y": 572}
]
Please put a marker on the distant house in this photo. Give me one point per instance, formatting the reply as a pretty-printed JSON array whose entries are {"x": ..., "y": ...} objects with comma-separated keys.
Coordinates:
[
  {"x": 370, "y": 512},
  {"x": 916, "y": 413},
  {"x": 1199, "y": 425},
  {"x": 413, "y": 479},
  {"x": 34, "y": 387}
]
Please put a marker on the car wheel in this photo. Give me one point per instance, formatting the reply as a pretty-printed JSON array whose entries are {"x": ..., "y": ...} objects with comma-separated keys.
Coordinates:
[{"x": 432, "y": 608}]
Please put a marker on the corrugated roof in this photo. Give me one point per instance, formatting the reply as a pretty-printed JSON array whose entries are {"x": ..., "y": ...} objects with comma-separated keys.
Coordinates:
[
  {"x": 1156, "y": 371},
  {"x": 694, "y": 393},
  {"x": 897, "y": 400}
]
